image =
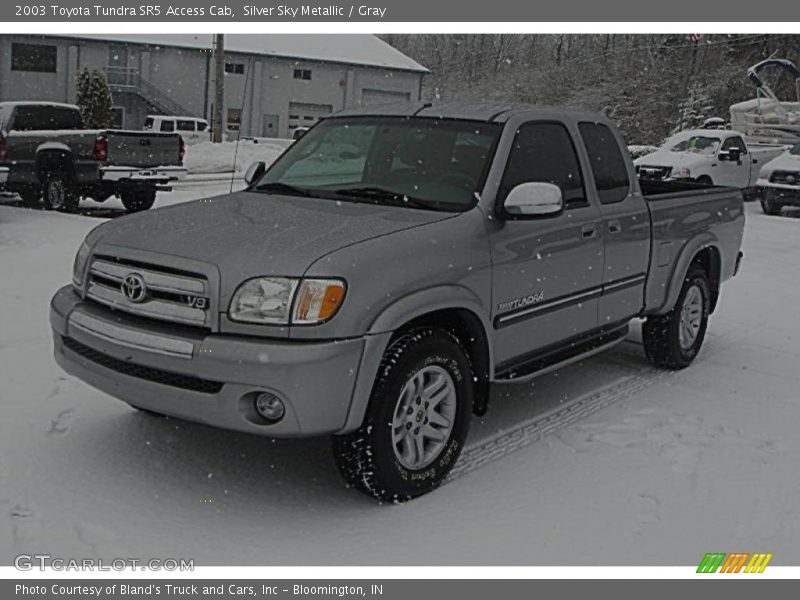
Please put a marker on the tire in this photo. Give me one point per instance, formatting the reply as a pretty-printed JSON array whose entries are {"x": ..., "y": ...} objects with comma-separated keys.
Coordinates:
[
  {"x": 59, "y": 193},
  {"x": 664, "y": 344},
  {"x": 138, "y": 200},
  {"x": 770, "y": 208},
  {"x": 705, "y": 180},
  {"x": 380, "y": 459}
]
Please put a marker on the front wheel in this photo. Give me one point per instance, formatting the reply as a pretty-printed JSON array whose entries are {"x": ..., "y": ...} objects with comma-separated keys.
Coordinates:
[
  {"x": 138, "y": 200},
  {"x": 417, "y": 420},
  {"x": 770, "y": 208},
  {"x": 672, "y": 341}
]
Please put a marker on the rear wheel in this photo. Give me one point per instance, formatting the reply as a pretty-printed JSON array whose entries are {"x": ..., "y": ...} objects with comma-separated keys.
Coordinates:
[
  {"x": 59, "y": 193},
  {"x": 672, "y": 341},
  {"x": 138, "y": 200},
  {"x": 417, "y": 420}
]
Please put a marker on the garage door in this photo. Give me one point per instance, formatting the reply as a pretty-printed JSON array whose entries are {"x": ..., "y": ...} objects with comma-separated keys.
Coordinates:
[
  {"x": 305, "y": 115},
  {"x": 370, "y": 96}
]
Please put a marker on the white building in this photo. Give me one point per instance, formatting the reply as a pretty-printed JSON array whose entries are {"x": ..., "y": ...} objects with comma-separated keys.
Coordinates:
[{"x": 273, "y": 83}]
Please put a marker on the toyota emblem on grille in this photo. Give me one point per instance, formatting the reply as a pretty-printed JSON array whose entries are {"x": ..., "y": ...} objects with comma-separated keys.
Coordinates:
[{"x": 134, "y": 288}]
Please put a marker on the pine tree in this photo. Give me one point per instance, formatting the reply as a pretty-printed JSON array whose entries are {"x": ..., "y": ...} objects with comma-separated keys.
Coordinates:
[{"x": 93, "y": 97}]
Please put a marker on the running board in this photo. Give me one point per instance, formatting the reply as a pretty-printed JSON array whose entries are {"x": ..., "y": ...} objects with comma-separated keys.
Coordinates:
[{"x": 548, "y": 361}]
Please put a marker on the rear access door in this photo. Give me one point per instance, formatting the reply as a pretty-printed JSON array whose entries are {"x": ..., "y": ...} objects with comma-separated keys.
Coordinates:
[{"x": 624, "y": 224}]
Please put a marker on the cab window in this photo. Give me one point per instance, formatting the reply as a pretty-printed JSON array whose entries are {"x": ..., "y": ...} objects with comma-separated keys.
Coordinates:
[
  {"x": 608, "y": 166},
  {"x": 185, "y": 125},
  {"x": 735, "y": 142},
  {"x": 167, "y": 126},
  {"x": 544, "y": 152}
]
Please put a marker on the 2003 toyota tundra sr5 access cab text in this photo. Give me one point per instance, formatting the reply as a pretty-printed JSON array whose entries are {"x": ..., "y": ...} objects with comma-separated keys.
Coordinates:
[{"x": 387, "y": 269}]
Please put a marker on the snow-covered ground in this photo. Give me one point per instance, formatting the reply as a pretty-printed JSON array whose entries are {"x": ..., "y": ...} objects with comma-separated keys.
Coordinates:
[
  {"x": 206, "y": 157},
  {"x": 607, "y": 462}
]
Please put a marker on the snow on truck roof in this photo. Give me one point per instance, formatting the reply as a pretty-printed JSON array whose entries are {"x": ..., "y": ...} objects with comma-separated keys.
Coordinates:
[
  {"x": 342, "y": 48},
  {"x": 36, "y": 103}
]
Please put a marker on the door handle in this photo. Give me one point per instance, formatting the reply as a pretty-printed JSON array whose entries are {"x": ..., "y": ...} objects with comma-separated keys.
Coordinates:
[
  {"x": 614, "y": 226},
  {"x": 588, "y": 231}
]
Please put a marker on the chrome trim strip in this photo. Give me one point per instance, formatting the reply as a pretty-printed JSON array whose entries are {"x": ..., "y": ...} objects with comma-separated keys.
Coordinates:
[
  {"x": 544, "y": 306},
  {"x": 155, "y": 309},
  {"x": 131, "y": 338},
  {"x": 623, "y": 283},
  {"x": 162, "y": 282},
  {"x": 597, "y": 291}
]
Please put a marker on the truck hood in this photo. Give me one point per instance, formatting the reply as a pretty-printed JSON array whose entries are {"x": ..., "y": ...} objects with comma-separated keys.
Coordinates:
[
  {"x": 248, "y": 234},
  {"x": 676, "y": 160},
  {"x": 784, "y": 162}
]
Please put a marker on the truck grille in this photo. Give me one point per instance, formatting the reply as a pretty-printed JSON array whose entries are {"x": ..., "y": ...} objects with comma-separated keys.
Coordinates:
[
  {"x": 648, "y": 172},
  {"x": 185, "y": 382},
  {"x": 150, "y": 291},
  {"x": 785, "y": 177}
]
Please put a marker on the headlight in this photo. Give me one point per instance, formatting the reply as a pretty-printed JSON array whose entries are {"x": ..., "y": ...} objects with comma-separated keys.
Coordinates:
[
  {"x": 79, "y": 266},
  {"x": 263, "y": 300},
  {"x": 284, "y": 301}
]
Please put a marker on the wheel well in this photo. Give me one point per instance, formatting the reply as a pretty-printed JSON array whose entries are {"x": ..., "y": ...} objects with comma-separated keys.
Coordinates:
[
  {"x": 53, "y": 160},
  {"x": 709, "y": 259},
  {"x": 466, "y": 326}
]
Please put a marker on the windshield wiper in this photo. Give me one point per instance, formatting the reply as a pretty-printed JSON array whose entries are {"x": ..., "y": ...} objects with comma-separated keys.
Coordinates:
[
  {"x": 282, "y": 188},
  {"x": 378, "y": 195}
]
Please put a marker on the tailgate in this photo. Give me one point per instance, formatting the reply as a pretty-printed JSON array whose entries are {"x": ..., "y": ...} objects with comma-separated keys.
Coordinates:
[{"x": 143, "y": 149}]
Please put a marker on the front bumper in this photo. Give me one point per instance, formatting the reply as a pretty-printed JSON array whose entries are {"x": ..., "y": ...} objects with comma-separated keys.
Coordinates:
[
  {"x": 782, "y": 193},
  {"x": 4, "y": 171},
  {"x": 138, "y": 175},
  {"x": 212, "y": 378}
]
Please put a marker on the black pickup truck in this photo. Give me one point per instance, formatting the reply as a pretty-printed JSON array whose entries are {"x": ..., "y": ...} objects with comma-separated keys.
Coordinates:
[{"x": 47, "y": 156}]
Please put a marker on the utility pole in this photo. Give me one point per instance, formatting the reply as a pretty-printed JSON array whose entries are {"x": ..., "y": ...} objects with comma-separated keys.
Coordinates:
[{"x": 219, "y": 88}]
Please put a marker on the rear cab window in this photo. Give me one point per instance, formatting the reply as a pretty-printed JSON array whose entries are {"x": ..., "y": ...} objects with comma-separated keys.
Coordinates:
[
  {"x": 45, "y": 117},
  {"x": 611, "y": 176},
  {"x": 543, "y": 152},
  {"x": 148, "y": 123}
]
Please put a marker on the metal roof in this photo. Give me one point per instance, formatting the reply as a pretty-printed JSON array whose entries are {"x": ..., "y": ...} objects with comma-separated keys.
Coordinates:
[{"x": 356, "y": 49}]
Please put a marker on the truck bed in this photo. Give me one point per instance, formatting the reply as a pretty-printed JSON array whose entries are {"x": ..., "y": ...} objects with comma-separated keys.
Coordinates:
[{"x": 686, "y": 215}]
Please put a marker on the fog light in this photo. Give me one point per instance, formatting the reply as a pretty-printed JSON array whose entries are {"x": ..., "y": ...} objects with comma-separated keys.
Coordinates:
[{"x": 270, "y": 407}]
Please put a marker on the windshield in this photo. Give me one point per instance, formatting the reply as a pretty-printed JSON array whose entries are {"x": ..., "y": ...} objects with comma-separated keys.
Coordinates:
[
  {"x": 699, "y": 144},
  {"x": 416, "y": 162}
]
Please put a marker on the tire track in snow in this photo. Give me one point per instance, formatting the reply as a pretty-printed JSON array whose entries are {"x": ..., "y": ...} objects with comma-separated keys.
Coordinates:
[{"x": 505, "y": 442}]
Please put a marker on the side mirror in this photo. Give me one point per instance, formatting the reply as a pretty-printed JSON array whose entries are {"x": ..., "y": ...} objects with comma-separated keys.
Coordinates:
[
  {"x": 254, "y": 172},
  {"x": 731, "y": 154},
  {"x": 534, "y": 199},
  {"x": 298, "y": 134}
]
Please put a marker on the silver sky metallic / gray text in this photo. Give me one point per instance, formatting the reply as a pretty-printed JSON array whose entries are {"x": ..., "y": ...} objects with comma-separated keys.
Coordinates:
[{"x": 309, "y": 10}]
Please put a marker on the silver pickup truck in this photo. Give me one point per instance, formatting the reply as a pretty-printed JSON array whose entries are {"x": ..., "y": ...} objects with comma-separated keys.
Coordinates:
[
  {"x": 385, "y": 271},
  {"x": 47, "y": 156}
]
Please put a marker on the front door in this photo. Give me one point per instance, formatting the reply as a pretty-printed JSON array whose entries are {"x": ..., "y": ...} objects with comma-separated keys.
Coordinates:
[
  {"x": 547, "y": 270},
  {"x": 734, "y": 173}
]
